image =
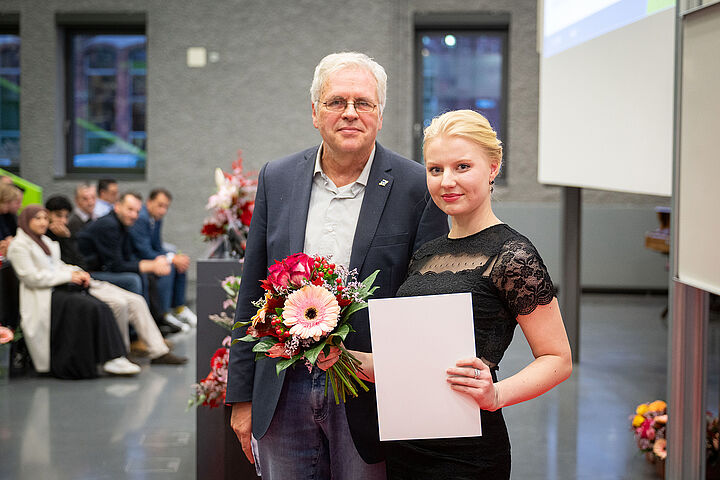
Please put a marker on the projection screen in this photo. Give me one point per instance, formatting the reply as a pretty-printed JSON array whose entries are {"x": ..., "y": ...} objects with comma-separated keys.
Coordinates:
[{"x": 606, "y": 95}]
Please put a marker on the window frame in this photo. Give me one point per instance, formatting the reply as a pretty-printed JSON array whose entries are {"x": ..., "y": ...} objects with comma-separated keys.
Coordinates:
[
  {"x": 497, "y": 24},
  {"x": 69, "y": 32},
  {"x": 13, "y": 29}
]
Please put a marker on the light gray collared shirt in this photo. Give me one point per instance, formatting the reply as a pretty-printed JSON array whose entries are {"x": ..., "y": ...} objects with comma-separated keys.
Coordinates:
[
  {"x": 83, "y": 216},
  {"x": 333, "y": 213}
]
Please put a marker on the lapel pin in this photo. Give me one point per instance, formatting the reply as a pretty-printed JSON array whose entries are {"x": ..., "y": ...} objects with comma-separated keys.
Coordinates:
[{"x": 383, "y": 182}]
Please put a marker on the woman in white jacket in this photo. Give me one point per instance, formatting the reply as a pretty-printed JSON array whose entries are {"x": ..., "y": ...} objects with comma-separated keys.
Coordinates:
[{"x": 67, "y": 331}]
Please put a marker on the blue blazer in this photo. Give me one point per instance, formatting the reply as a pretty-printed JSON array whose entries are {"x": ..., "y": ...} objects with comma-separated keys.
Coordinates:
[
  {"x": 397, "y": 216},
  {"x": 146, "y": 236}
]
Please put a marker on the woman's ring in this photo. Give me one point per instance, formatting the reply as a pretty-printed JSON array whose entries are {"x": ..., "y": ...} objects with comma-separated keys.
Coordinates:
[{"x": 477, "y": 373}]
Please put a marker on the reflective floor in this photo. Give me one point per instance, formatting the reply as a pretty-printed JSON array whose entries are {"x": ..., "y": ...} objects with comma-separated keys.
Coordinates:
[{"x": 138, "y": 428}]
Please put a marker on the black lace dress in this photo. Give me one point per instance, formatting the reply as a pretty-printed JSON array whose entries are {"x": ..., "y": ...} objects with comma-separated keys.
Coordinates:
[{"x": 506, "y": 276}]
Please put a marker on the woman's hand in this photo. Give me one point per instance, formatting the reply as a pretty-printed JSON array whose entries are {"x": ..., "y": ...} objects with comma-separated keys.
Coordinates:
[
  {"x": 80, "y": 277},
  {"x": 472, "y": 376}
]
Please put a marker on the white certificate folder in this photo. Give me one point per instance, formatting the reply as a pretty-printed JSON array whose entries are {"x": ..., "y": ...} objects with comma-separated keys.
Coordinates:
[{"x": 414, "y": 341}]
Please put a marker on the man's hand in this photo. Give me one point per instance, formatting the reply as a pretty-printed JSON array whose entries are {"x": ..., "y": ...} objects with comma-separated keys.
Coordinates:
[
  {"x": 161, "y": 267},
  {"x": 158, "y": 266},
  {"x": 4, "y": 245},
  {"x": 181, "y": 262},
  {"x": 241, "y": 423},
  {"x": 59, "y": 229}
]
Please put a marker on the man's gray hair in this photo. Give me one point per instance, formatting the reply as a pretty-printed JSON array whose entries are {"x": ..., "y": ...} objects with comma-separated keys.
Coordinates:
[
  {"x": 340, "y": 61},
  {"x": 83, "y": 186}
]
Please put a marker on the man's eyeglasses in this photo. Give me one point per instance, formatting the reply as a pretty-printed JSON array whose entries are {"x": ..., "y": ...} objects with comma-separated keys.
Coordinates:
[{"x": 340, "y": 104}]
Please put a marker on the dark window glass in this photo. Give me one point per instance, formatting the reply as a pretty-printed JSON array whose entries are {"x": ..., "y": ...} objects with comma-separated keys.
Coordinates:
[
  {"x": 10, "y": 102},
  {"x": 461, "y": 70},
  {"x": 107, "y": 97}
]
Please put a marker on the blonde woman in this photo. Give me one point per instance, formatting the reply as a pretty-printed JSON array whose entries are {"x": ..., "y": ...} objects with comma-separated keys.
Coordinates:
[{"x": 510, "y": 286}]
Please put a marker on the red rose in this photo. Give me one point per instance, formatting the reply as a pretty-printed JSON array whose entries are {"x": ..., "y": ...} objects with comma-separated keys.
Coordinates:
[
  {"x": 211, "y": 230},
  {"x": 342, "y": 301},
  {"x": 292, "y": 270},
  {"x": 300, "y": 267},
  {"x": 247, "y": 212}
]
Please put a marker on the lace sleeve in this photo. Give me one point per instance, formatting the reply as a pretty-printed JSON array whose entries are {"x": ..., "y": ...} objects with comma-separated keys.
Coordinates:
[{"x": 521, "y": 278}]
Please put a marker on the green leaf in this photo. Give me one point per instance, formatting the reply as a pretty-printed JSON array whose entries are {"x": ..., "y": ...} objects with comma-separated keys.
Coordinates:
[
  {"x": 342, "y": 332},
  {"x": 247, "y": 338},
  {"x": 286, "y": 362},
  {"x": 240, "y": 324},
  {"x": 314, "y": 352},
  {"x": 259, "y": 355},
  {"x": 352, "y": 308},
  {"x": 366, "y": 290},
  {"x": 264, "y": 345}
]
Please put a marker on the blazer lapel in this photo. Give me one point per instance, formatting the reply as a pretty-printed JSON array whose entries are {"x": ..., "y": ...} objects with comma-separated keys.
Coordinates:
[
  {"x": 376, "y": 194},
  {"x": 300, "y": 201}
]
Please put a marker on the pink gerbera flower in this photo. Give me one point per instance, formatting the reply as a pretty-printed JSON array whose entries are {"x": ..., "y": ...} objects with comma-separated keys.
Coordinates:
[{"x": 311, "y": 312}]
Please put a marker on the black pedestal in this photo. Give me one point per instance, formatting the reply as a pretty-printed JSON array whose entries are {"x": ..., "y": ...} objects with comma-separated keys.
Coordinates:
[{"x": 219, "y": 455}]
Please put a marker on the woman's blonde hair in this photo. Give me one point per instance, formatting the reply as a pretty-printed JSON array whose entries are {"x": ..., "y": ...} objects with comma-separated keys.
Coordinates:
[{"x": 466, "y": 124}]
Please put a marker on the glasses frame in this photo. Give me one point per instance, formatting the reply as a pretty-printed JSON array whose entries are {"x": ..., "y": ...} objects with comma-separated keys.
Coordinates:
[{"x": 347, "y": 103}]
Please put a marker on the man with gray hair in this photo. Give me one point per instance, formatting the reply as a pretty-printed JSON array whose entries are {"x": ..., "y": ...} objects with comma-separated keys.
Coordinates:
[
  {"x": 366, "y": 207},
  {"x": 83, "y": 213}
]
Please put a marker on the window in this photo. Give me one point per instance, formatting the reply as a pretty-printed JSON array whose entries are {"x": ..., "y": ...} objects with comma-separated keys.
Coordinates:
[
  {"x": 461, "y": 69},
  {"x": 10, "y": 102},
  {"x": 106, "y": 101}
]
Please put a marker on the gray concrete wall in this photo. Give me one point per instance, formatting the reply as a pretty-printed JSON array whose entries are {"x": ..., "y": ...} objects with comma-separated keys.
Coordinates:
[{"x": 255, "y": 98}]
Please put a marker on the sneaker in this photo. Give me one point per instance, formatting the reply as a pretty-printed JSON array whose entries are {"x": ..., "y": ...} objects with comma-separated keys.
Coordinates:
[
  {"x": 121, "y": 366},
  {"x": 169, "y": 359},
  {"x": 184, "y": 314},
  {"x": 170, "y": 319}
]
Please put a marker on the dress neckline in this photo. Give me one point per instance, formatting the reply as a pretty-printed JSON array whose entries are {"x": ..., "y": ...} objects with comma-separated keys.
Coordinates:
[{"x": 501, "y": 224}]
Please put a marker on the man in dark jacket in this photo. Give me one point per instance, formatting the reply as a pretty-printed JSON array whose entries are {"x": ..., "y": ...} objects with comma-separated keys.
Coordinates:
[
  {"x": 108, "y": 243},
  {"x": 148, "y": 243}
]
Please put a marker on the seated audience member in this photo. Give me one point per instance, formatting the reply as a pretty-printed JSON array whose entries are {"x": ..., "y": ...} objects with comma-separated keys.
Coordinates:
[
  {"x": 84, "y": 211},
  {"x": 128, "y": 308},
  {"x": 107, "y": 243},
  {"x": 67, "y": 331},
  {"x": 107, "y": 194},
  {"x": 10, "y": 201},
  {"x": 147, "y": 241}
]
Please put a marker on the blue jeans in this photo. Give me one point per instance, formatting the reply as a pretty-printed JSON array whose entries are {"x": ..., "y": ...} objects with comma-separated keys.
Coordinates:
[
  {"x": 309, "y": 437},
  {"x": 171, "y": 290},
  {"x": 128, "y": 280}
]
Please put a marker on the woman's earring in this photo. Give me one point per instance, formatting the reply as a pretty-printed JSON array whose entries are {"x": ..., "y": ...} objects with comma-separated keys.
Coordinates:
[{"x": 492, "y": 182}]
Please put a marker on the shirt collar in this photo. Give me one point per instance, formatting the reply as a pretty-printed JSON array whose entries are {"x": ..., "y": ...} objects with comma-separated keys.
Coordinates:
[
  {"x": 364, "y": 175},
  {"x": 83, "y": 216}
]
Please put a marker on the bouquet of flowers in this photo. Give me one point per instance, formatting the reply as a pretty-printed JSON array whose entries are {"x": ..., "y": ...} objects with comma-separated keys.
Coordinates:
[
  {"x": 649, "y": 425},
  {"x": 305, "y": 311},
  {"x": 712, "y": 440},
  {"x": 210, "y": 391},
  {"x": 231, "y": 208}
]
